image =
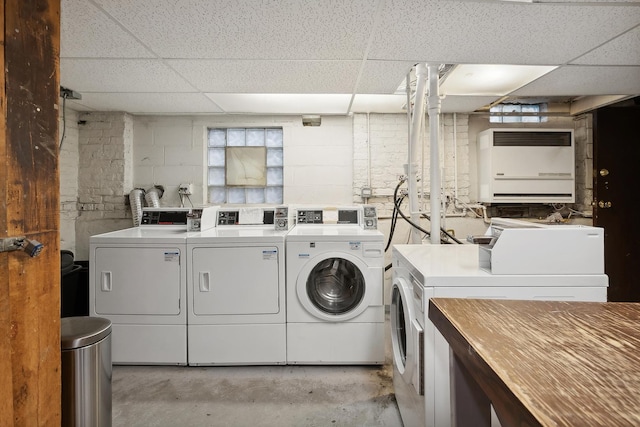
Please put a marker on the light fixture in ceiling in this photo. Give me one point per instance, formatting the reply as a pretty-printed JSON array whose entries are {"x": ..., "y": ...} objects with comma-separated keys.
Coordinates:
[
  {"x": 311, "y": 120},
  {"x": 490, "y": 79}
]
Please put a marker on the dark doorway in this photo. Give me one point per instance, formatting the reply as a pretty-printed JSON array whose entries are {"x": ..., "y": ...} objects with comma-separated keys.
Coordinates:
[{"x": 616, "y": 137}]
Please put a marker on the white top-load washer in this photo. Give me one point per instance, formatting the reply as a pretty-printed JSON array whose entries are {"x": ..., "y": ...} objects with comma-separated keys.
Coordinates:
[
  {"x": 421, "y": 272},
  {"x": 138, "y": 281},
  {"x": 236, "y": 288},
  {"x": 335, "y": 309}
]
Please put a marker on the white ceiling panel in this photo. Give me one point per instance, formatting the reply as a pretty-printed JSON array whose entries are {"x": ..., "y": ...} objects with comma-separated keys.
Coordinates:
[
  {"x": 124, "y": 54},
  {"x": 574, "y": 80},
  {"x": 496, "y": 32},
  {"x": 379, "y": 104},
  {"x": 382, "y": 77},
  {"x": 146, "y": 103},
  {"x": 87, "y": 32},
  {"x": 623, "y": 50},
  {"x": 281, "y": 103},
  {"x": 249, "y": 29},
  {"x": 464, "y": 104},
  {"x": 120, "y": 75},
  {"x": 258, "y": 76}
]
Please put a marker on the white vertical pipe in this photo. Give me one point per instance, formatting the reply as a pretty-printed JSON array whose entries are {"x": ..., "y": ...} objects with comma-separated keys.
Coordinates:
[
  {"x": 434, "y": 168},
  {"x": 414, "y": 149}
]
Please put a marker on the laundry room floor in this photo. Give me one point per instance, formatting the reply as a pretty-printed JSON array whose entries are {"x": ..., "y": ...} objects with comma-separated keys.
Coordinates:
[{"x": 281, "y": 396}]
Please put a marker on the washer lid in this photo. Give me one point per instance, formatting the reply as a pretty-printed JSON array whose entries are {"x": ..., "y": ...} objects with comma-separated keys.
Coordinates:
[{"x": 81, "y": 331}]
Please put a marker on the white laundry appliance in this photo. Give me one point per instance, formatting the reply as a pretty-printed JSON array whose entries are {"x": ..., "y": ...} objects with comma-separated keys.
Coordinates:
[
  {"x": 335, "y": 309},
  {"x": 421, "y": 272},
  {"x": 138, "y": 281},
  {"x": 236, "y": 288}
]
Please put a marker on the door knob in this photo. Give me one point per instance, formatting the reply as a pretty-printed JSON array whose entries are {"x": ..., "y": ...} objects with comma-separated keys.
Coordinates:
[
  {"x": 604, "y": 172},
  {"x": 604, "y": 205}
]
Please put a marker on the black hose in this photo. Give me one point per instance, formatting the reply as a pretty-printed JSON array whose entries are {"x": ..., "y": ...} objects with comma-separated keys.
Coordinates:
[{"x": 396, "y": 207}]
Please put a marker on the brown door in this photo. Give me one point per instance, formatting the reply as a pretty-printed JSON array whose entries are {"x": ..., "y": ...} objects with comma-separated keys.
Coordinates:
[
  {"x": 616, "y": 137},
  {"x": 29, "y": 207}
]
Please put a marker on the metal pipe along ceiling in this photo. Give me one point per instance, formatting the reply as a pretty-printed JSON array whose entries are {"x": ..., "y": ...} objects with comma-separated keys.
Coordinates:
[{"x": 414, "y": 150}]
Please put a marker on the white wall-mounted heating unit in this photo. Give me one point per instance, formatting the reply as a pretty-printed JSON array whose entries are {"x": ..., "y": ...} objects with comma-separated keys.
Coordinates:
[{"x": 526, "y": 166}]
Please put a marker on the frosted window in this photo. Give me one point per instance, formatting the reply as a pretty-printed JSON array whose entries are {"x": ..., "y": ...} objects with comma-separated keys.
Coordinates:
[
  {"x": 216, "y": 157},
  {"x": 245, "y": 165},
  {"x": 235, "y": 138},
  {"x": 274, "y": 176},
  {"x": 274, "y": 138},
  {"x": 235, "y": 195},
  {"x": 217, "y": 194},
  {"x": 217, "y": 137},
  {"x": 255, "y": 195},
  {"x": 516, "y": 108},
  {"x": 255, "y": 137},
  {"x": 274, "y": 157},
  {"x": 274, "y": 194},
  {"x": 216, "y": 176},
  {"x": 530, "y": 109}
]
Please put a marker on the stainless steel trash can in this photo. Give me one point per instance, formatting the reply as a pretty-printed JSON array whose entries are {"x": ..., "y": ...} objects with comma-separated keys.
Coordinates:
[{"x": 86, "y": 371}]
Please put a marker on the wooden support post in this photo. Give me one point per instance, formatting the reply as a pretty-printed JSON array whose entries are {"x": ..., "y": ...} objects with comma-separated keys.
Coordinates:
[{"x": 30, "y": 196}]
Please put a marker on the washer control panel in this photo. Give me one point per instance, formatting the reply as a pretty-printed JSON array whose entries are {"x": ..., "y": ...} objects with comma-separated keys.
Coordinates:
[
  {"x": 309, "y": 217},
  {"x": 164, "y": 217},
  {"x": 370, "y": 218}
]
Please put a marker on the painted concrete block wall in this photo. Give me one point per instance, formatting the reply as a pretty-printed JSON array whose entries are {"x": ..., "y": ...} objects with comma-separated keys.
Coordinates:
[
  {"x": 68, "y": 165},
  {"x": 583, "y": 135},
  {"x": 328, "y": 164},
  {"x": 380, "y": 144},
  {"x": 105, "y": 175},
  {"x": 169, "y": 151}
]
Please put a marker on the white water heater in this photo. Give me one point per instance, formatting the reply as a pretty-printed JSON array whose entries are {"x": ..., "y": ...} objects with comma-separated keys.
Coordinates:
[{"x": 526, "y": 166}]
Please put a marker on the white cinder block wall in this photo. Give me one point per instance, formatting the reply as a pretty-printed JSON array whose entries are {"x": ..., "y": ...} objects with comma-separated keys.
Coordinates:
[
  {"x": 329, "y": 164},
  {"x": 317, "y": 160},
  {"x": 68, "y": 165}
]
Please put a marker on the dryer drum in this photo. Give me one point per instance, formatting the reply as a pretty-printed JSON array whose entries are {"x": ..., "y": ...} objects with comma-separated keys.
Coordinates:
[{"x": 335, "y": 286}]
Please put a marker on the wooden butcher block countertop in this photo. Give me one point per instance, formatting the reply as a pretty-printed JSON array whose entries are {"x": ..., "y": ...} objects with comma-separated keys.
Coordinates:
[{"x": 549, "y": 363}]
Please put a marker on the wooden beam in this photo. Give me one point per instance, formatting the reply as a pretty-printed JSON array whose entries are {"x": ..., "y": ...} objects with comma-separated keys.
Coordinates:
[{"x": 29, "y": 189}]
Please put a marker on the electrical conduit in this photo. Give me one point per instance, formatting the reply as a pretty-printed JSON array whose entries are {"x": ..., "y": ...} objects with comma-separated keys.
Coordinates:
[{"x": 434, "y": 169}]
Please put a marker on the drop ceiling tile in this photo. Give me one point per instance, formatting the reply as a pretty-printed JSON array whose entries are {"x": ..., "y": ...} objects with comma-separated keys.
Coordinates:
[
  {"x": 383, "y": 77},
  {"x": 85, "y": 31},
  {"x": 249, "y": 29},
  {"x": 120, "y": 75},
  {"x": 496, "y": 32},
  {"x": 257, "y": 76},
  {"x": 281, "y": 103},
  {"x": 623, "y": 50},
  {"x": 576, "y": 80},
  {"x": 464, "y": 104},
  {"x": 146, "y": 103},
  {"x": 379, "y": 104}
]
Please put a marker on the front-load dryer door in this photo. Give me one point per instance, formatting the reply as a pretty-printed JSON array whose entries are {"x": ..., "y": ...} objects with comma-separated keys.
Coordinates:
[
  {"x": 137, "y": 280},
  {"x": 407, "y": 337},
  {"x": 235, "y": 280},
  {"x": 334, "y": 286}
]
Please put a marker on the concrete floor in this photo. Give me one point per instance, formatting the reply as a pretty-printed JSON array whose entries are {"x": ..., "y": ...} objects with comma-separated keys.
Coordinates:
[{"x": 255, "y": 395}]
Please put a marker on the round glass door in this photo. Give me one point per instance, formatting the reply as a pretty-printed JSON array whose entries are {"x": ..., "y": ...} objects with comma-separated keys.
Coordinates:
[
  {"x": 398, "y": 326},
  {"x": 335, "y": 286}
]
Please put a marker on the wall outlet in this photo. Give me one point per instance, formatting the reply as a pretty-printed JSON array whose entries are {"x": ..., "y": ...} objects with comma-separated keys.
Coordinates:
[{"x": 185, "y": 189}]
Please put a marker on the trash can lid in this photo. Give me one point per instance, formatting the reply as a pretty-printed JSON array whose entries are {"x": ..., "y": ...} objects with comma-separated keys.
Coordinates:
[{"x": 81, "y": 331}]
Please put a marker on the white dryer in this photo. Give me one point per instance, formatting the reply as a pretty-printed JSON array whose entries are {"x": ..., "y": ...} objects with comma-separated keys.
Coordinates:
[
  {"x": 236, "y": 289},
  {"x": 420, "y": 353},
  {"x": 138, "y": 281},
  {"x": 335, "y": 309}
]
